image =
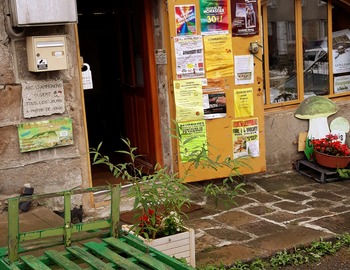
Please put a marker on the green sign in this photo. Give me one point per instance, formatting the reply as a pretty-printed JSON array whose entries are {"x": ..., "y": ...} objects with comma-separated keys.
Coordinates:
[{"x": 45, "y": 134}]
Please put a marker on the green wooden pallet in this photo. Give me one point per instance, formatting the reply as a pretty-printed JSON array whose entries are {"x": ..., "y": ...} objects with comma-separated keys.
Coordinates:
[{"x": 102, "y": 245}]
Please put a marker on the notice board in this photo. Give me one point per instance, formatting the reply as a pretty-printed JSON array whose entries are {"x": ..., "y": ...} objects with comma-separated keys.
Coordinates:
[{"x": 217, "y": 81}]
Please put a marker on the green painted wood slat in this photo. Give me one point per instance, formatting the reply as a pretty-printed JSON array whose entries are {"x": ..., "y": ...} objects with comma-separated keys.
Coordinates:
[
  {"x": 61, "y": 260},
  {"x": 108, "y": 254},
  {"x": 137, "y": 254},
  {"x": 34, "y": 263},
  {"x": 89, "y": 258}
]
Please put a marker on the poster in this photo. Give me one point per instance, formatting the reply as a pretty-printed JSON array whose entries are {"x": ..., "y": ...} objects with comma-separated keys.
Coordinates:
[
  {"x": 244, "y": 14},
  {"x": 45, "y": 134},
  {"x": 189, "y": 56},
  {"x": 243, "y": 102},
  {"x": 188, "y": 100},
  {"x": 218, "y": 56},
  {"x": 214, "y": 105},
  {"x": 341, "y": 84},
  {"x": 245, "y": 138},
  {"x": 185, "y": 20},
  {"x": 214, "y": 17},
  {"x": 341, "y": 51},
  {"x": 194, "y": 139},
  {"x": 244, "y": 69},
  {"x": 214, "y": 97}
]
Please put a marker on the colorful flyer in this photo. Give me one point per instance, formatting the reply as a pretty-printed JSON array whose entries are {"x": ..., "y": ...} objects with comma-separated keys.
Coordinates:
[
  {"x": 218, "y": 56},
  {"x": 193, "y": 139},
  {"x": 188, "y": 100},
  {"x": 214, "y": 17},
  {"x": 185, "y": 20},
  {"x": 245, "y": 138},
  {"x": 244, "y": 14},
  {"x": 189, "y": 56},
  {"x": 45, "y": 134},
  {"x": 244, "y": 69},
  {"x": 243, "y": 102}
]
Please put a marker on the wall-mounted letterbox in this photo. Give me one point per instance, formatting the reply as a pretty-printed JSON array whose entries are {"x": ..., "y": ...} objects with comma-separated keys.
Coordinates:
[
  {"x": 43, "y": 12},
  {"x": 46, "y": 53}
]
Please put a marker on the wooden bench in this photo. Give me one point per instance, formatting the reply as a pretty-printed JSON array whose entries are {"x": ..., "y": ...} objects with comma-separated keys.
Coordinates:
[{"x": 98, "y": 244}]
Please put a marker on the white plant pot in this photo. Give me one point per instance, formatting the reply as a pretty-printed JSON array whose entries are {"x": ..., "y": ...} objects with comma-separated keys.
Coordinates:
[{"x": 180, "y": 245}]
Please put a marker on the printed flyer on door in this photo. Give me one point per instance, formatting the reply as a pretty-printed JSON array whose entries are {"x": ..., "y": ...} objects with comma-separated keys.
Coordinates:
[
  {"x": 185, "y": 20},
  {"x": 214, "y": 17},
  {"x": 214, "y": 98},
  {"x": 194, "y": 139},
  {"x": 243, "y": 102},
  {"x": 188, "y": 100},
  {"x": 189, "y": 56},
  {"x": 245, "y": 138},
  {"x": 244, "y": 14},
  {"x": 218, "y": 56}
]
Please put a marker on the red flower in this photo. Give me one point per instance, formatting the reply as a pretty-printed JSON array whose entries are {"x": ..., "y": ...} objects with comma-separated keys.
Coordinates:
[{"x": 331, "y": 146}]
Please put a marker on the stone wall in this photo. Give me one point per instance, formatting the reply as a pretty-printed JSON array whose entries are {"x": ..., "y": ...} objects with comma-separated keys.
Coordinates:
[
  {"x": 282, "y": 132},
  {"x": 47, "y": 170}
]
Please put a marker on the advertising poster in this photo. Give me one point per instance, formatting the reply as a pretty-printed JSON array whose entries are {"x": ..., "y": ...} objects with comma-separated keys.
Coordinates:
[
  {"x": 45, "y": 134},
  {"x": 189, "y": 56},
  {"x": 341, "y": 51},
  {"x": 245, "y": 138},
  {"x": 214, "y": 17},
  {"x": 185, "y": 20},
  {"x": 194, "y": 136},
  {"x": 244, "y": 69},
  {"x": 218, "y": 56},
  {"x": 214, "y": 98},
  {"x": 243, "y": 102},
  {"x": 214, "y": 105},
  {"x": 188, "y": 100},
  {"x": 244, "y": 14},
  {"x": 341, "y": 84}
]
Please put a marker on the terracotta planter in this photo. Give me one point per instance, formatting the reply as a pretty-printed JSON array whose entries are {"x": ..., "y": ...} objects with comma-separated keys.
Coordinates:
[
  {"x": 331, "y": 161},
  {"x": 181, "y": 245}
]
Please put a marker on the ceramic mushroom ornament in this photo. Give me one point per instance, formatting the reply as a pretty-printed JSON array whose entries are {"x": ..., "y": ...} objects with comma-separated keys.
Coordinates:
[
  {"x": 340, "y": 126},
  {"x": 316, "y": 109}
]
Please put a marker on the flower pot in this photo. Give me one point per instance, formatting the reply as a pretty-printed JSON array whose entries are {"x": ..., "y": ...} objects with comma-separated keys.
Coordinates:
[
  {"x": 180, "y": 245},
  {"x": 331, "y": 161}
]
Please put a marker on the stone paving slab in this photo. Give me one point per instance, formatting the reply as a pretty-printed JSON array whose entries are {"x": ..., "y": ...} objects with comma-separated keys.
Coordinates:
[{"x": 281, "y": 212}]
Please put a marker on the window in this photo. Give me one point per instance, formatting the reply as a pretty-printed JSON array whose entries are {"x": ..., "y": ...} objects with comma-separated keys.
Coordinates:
[{"x": 299, "y": 62}]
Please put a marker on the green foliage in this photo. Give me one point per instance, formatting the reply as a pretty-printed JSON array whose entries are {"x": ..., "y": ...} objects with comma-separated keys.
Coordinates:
[
  {"x": 157, "y": 196},
  {"x": 298, "y": 256},
  {"x": 201, "y": 157},
  {"x": 160, "y": 196}
]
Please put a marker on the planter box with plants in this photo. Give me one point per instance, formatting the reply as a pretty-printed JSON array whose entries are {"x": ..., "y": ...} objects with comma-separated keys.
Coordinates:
[{"x": 160, "y": 196}]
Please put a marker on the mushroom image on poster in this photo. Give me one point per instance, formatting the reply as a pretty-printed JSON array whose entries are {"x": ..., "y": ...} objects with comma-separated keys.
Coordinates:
[{"x": 316, "y": 109}]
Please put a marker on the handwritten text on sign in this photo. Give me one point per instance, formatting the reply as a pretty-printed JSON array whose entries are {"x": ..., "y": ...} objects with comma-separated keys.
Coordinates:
[{"x": 42, "y": 98}]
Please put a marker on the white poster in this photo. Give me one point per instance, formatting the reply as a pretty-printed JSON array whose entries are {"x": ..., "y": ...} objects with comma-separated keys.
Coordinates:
[
  {"x": 244, "y": 69},
  {"x": 189, "y": 56}
]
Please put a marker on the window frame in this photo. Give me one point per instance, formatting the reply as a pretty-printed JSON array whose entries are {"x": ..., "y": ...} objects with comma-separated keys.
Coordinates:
[{"x": 299, "y": 57}]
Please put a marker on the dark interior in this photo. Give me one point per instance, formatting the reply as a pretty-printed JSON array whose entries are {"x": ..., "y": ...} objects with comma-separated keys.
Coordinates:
[{"x": 99, "y": 46}]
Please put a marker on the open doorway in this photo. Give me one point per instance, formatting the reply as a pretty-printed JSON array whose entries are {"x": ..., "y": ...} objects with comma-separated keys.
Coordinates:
[{"x": 115, "y": 40}]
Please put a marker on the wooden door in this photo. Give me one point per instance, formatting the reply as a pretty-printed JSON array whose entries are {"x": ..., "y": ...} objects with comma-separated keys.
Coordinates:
[{"x": 139, "y": 80}]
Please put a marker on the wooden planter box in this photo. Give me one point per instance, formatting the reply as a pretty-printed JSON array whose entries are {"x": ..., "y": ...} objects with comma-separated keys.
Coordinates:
[{"x": 181, "y": 245}]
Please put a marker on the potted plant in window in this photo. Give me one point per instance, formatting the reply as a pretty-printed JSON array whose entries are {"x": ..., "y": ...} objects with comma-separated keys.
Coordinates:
[{"x": 160, "y": 197}]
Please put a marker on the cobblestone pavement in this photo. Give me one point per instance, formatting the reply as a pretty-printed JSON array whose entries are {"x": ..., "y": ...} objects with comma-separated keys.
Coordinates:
[{"x": 277, "y": 212}]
